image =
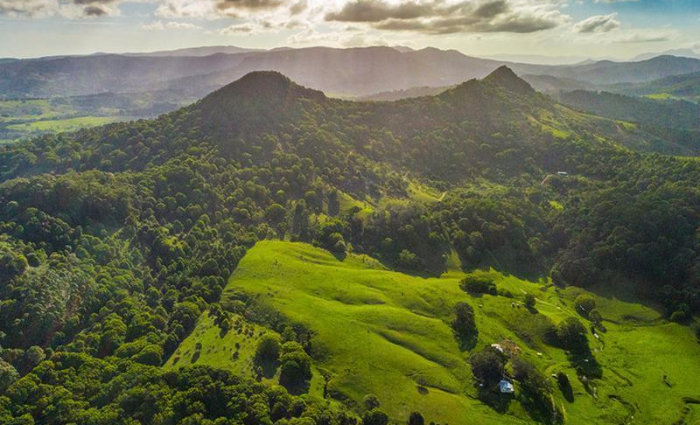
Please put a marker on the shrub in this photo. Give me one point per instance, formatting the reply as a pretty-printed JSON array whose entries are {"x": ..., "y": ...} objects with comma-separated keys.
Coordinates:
[
  {"x": 584, "y": 304},
  {"x": 572, "y": 334},
  {"x": 416, "y": 419},
  {"x": 408, "y": 260},
  {"x": 530, "y": 301},
  {"x": 595, "y": 317},
  {"x": 268, "y": 349},
  {"x": 487, "y": 365},
  {"x": 464, "y": 324},
  {"x": 679, "y": 316},
  {"x": 151, "y": 355},
  {"x": 8, "y": 375},
  {"x": 375, "y": 417},
  {"x": 478, "y": 285},
  {"x": 296, "y": 365},
  {"x": 370, "y": 401}
]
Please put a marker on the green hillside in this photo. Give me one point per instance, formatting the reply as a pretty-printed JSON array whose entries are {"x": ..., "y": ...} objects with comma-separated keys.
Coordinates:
[{"x": 375, "y": 331}]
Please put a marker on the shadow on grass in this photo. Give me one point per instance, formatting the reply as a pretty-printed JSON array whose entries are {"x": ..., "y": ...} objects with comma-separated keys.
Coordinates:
[
  {"x": 296, "y": 388},
  {"x": 467, "y": 343},
  {"x": 565, "y": 387},
  {"x": 494, "y": 398},
  {"x": 586, "y": 364},
  {"x": 340, "y": 256},
  {"x": 268, "y": 367}
]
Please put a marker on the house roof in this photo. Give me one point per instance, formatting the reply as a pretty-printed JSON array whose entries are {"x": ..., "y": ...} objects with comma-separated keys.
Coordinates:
[{"x": 505, "y": 386}]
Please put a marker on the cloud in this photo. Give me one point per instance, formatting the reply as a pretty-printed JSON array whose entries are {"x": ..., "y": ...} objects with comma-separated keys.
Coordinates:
[
  {"x": 217, "y": 9},
  {"x": 646, "y": 36},
  {"x": 298, "y": 7},
  {"x": 28, "y": 8},
  {"x": 378, "y": 10},
  {"x": 72, "y": 9},
  {"x": 249, "y": 4},
  {"x": 441, "y": 17},
  {"x": 170, "y": 25},
  {"x": 599, "y": 23}
]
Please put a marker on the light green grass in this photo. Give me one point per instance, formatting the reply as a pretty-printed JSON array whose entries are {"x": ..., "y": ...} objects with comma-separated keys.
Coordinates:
[
  {"x": 423, "y": 193},
  {"x": 556, "y": 205},
  {"x": 67, "y": 124},
  {"x": 31, "y": 110},
  {"x": 659, "y": 96},
  {"x": 627, "y": 125},
  {"x": 382, "y": 332},
  {"x": 347, "y": 202}
]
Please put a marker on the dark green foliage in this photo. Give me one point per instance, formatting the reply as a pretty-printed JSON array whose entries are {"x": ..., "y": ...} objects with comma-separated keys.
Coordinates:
[
  {"x": 675, "y": 122},
  {"x": 375, "y": 417},
  {"x": 584, "y": 304},
  {"x": 572, "y": 334},
  {"x": 464, "y": 324},
  {"x": 268, "y": 349},
  {"x": 117, "y": 392},
  {"x": 536, "y": 391},
  {"x": 295, "y": 369},
  {"x": 416, "y": 419},
  {"x": 8, "y": 375},
  {"x": 370, "y": 401},
  {"x": 487, "y": 366},
  {"x": 475, "y": 285},
  {"x": 529, "y": 301}
]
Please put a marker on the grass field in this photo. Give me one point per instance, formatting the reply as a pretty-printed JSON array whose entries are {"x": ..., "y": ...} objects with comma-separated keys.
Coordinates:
[
  {"x": 385, "y": 333},
  {"x": 59, "y": 125},
  {"x": 26, "y": 118}
]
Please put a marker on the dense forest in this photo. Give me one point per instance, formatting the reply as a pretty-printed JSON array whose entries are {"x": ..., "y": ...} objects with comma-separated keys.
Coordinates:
[{"x": 115, "y": 240}]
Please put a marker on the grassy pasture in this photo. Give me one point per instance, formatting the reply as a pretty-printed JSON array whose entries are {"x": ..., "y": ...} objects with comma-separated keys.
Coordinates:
[{"x": 385, "y": 333}]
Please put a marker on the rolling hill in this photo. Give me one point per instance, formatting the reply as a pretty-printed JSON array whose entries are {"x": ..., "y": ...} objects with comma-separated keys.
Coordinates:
[{"x": 380, "y": 332}]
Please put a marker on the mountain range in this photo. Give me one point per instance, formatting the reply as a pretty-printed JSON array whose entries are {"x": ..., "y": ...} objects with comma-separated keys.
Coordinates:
[{"x": 346, "y": 72}]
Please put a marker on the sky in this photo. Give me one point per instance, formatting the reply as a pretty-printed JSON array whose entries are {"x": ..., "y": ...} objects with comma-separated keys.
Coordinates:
[{"x": 564, "y": 30}]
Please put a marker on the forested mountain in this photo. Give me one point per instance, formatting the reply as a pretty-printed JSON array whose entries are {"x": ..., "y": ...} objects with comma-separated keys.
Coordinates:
[
  {"x": 118, "y": 241},
  {"x": 675, "y": 121}
]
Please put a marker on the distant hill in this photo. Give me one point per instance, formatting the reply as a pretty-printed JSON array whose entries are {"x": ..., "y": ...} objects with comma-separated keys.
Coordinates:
[
  {"x": 609, "y": 72},
  {"x": 553, "y": 85},
  {"x": 686, "y": 86},
  {"x": 73, "y": 76},
  {"x": 402, "y": 94},
  {"x": 340, "y": 72},
  {"x": 195, "y": 51},
  {"x": 667, "y": 113},
  {"x": 673, "y": 121},
  {"x": 688, "y": 53}
]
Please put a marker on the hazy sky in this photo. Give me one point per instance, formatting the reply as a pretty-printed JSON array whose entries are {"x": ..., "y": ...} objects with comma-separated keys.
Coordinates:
[{"x": 576, "y": 28}]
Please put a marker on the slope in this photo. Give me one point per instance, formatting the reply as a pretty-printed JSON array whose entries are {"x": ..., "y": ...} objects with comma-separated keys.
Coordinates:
[{"x": 380, "y": 332}]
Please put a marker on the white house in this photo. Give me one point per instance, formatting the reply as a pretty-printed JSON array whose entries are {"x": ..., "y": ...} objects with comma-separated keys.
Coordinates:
[{"x": 505, "y": 387}]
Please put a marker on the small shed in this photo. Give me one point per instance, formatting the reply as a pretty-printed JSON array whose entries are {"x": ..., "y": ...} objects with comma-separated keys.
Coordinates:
[{"x": 505, "y": 387}]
